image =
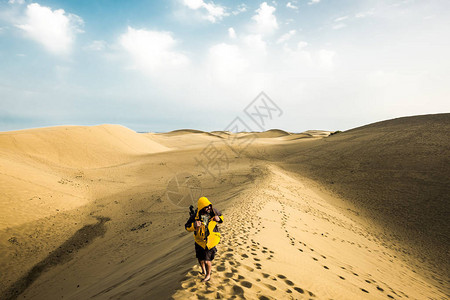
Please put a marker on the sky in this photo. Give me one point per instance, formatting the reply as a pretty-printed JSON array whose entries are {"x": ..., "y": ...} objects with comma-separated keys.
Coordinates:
[{"x": 156, "y": 66}]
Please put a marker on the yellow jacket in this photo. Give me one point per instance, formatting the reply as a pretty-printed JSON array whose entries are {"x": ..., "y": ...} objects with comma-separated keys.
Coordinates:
[{"x": 205, "y": 237}]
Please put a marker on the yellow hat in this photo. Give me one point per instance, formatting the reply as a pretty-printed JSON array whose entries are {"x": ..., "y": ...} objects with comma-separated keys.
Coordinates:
[{"x": 203, "y": 202}]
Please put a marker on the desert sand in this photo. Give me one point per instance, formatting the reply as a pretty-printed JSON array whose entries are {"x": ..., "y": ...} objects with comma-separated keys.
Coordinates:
[{"x": 99, "y": 212}]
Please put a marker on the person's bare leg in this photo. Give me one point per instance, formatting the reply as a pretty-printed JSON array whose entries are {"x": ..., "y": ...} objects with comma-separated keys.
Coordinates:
[
  {"x": 208, "y": 270},
  {"x": 202, "y": 264}
]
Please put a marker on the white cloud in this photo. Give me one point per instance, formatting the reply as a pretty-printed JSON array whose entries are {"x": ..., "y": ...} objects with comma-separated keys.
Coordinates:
[
  {"x": 152, "y": 50},
  {"x": 266, "y": 22},
  {"x": 365, "y": 14},
  {"x": 288, "y": 21},
  {"x": 96, "y": 46},
  {"x": 285, "y": 37},
  {"x": 313, "y": 2},
  {"x": 255, "y": 46},
  {"x": 240, "y": 9},
  {"x": 55, "y": 30},
  {"x": 16, "y": 1},
  {"x": 301, "y": 45},
  {"x": 231, "y": 33},
  {"x": 226, "y": 63},
  {"x": 294, "y": 58},
  {"x": 326, "y": 58},
  {"x": 341, "y": 19},
  {"x": 212, "y": 12},
  {"x": 290, "y": 5},
  {"x": 339, "y": 26},
  {"x": 308, "y": 61},
  {"x": 193, "y": 4}
]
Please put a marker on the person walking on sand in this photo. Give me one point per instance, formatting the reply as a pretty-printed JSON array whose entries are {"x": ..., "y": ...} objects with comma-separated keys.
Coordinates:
[{"x": 206, "y": 234}]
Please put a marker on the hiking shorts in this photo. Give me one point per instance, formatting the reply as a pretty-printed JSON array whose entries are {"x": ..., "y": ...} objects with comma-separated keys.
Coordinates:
[{"x": 204, "y": 254}]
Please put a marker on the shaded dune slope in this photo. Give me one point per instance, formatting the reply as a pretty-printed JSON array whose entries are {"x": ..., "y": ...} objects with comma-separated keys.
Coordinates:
[{"x": 397, "y": 170}]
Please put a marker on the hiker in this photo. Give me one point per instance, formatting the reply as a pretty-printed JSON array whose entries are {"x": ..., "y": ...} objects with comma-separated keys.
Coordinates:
[{"x": 206, "y": 234}]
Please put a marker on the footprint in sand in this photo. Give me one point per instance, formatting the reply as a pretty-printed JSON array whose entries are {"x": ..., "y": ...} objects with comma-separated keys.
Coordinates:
[
  {"x": 237, "y": 290},
  {"x": 271, "y": 287},
  {"x": 249, "y": 268},
  {"x": 288, "y": 282},
  {"x": 188, "y": 285},
  {"x": 220, "y": 268}
]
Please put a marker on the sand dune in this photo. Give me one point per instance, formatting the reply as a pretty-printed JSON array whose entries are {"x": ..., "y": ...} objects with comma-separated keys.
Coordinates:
[
  {"x": 306, "y": 216},
  {"x": 77, "y": 146},
  {"x": 318, "y": 133},
  {"x": 45, "y": 170},
  {"x": 182, "y": 139},
  {"x": 181, "y": 132},
  {"x": 272, "y": 133},
  {"x": 396, "y": 171}
]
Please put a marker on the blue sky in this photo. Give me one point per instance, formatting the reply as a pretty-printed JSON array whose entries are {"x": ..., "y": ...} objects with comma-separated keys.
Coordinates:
[{"x": 165, "y": 65}]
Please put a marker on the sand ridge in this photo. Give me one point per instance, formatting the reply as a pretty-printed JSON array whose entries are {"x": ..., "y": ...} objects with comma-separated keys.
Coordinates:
[
  {"x": 281, "y": 239},
  {"x": 396, "y": 172}
]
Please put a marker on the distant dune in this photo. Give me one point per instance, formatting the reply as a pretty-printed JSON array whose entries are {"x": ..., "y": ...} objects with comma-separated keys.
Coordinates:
[
  {"x": 272, "y": 133},
  {"x": 318, "y": 133},
  {"x": 181, "y": 131}
]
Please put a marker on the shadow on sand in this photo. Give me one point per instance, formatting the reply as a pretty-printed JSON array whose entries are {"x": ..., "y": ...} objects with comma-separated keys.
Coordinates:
[{"x": 60, "y": 255}]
